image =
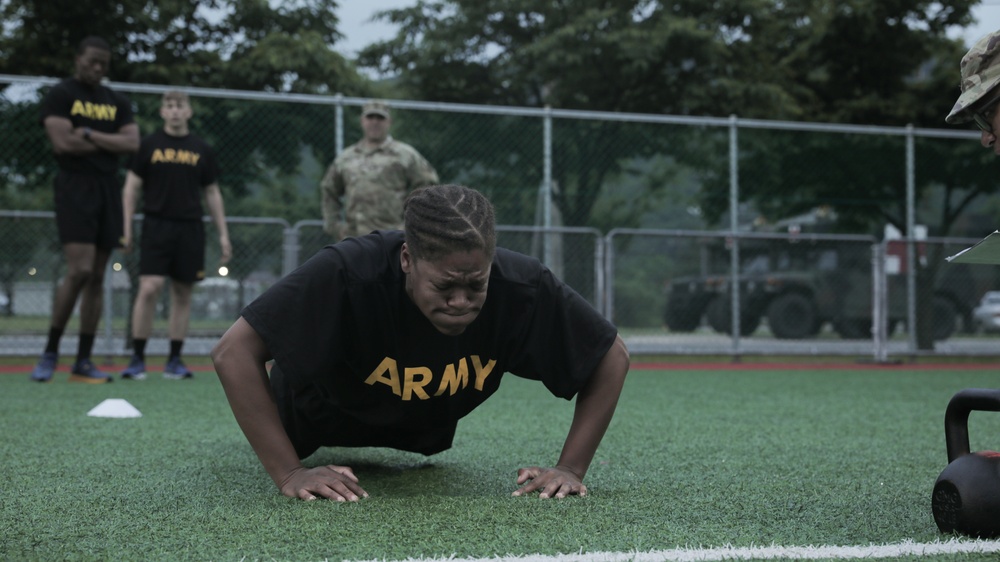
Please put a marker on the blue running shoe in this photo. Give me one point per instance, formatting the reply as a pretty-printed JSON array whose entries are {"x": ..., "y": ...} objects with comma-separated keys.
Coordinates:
[
  {"x": 45, "y": 367},
  {"x": 85, "y": 371},
  {"x": 136, "y": 369},
  {"x": 176, "y": 370}
]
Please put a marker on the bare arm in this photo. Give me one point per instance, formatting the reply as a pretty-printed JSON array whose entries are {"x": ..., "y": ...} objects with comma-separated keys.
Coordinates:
[
  {"x": 130, "y": 198},
  {"x": 66, "y": 139},
  {"x": 239, "y": 358},
  {"x": 124, "y": 141},
  {"x": 213, "y": 199},
  {"x": 595, "y": 406}
]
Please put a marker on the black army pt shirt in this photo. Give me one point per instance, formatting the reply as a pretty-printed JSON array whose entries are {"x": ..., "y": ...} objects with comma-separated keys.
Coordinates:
[{"x": 346, "y": 336}]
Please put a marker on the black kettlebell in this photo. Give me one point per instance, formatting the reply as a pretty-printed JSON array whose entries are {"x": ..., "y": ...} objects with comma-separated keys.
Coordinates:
[{"x": 966, "y": 498}]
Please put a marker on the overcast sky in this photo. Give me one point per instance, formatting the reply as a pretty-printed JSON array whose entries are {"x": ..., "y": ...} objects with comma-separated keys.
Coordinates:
[
  {"x": 988, "y": 14},
  {"x": 359, "y": 31}
]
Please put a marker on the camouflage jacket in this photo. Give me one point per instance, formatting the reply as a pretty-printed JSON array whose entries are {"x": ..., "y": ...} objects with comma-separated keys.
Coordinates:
[{"x": 364, "y": 188}]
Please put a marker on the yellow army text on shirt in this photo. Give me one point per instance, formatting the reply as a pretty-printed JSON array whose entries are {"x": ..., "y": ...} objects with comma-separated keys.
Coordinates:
[{"x": 364, "y": 189}]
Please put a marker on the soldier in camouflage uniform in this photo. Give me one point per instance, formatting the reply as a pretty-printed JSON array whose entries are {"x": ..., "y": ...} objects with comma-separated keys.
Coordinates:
[
  {"x": 980, "y": 95},
  {"x": 364, "y": 189}
]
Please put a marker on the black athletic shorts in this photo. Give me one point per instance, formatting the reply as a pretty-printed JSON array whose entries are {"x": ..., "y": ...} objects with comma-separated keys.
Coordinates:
[
  {"x": 88, "y": 209},
  {"x": 312, "y": 422},
  {"x": 174, "y": 249}
]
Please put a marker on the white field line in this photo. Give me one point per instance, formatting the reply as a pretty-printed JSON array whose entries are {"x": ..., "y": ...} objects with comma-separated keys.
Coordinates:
[{"x": 905, "y": 548}]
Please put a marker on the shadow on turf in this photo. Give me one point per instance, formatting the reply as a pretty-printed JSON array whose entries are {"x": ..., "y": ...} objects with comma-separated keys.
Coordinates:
[{"x": 402, "y": 478}]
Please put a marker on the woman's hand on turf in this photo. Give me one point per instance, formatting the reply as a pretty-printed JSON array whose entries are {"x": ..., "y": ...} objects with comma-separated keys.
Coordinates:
[
  {"x": 332, "y": 482},
  {"x": 557, "y": 482}
]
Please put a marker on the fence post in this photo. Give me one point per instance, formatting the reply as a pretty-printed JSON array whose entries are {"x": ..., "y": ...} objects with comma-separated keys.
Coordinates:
[
  {"x": 599, "y": 272},
  {"x": 108, "y": 312},
  {"x": 547, "y": 257},
  {"x": 609, "y": 276},
  {"x": 338, "y": 126},
  {"x": 290, "y": 250},
  {"x": 880, "y": 304},
  {"x": 911, "y": 254},
  {"x": 734, "y": 225}
]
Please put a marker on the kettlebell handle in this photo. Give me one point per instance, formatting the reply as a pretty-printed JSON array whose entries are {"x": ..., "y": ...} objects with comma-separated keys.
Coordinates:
[{"x": 956, "y": 417}]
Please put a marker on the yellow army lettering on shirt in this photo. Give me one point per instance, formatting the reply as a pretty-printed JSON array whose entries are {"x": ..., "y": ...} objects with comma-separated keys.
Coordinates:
[
  {"x": 414, "y": 379},
  {"x": 171, "y": 156},
  {"x": 95, "y": 111}
]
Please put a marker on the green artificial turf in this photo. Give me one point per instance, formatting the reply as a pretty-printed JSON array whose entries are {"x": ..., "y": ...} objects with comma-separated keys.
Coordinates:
[{"x": 694, "y": 458}]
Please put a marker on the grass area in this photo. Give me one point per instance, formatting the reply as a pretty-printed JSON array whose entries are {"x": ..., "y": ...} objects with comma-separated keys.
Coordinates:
[{"x": 694, "y": 458}]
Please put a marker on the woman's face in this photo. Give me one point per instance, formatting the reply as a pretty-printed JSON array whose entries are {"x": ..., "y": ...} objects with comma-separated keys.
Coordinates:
[{"x": 449, "y": 291}]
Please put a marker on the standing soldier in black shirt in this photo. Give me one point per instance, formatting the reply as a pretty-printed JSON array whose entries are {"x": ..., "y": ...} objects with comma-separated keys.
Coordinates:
[
  {"x": 90, "y": 127},
  {"x": 174, "y": 167}
]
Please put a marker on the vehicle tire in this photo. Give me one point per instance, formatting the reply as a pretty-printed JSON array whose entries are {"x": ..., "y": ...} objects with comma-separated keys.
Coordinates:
[
  {"x": 853, "y": 328},
  {"x": 792, "y": 316},
  {"x": 682, "y": 318},
  {"x": 720, "y": 318},
  {"x": 945, "y": 317}
]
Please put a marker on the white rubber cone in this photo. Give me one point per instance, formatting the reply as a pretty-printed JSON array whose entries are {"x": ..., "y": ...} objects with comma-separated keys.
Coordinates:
[{"x": 115, "y": 408}]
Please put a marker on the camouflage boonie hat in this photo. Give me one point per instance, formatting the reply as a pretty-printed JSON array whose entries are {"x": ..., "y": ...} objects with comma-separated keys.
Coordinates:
[
  {"x": 980, "y": 75},
  {"x": 375, "y": 107}
]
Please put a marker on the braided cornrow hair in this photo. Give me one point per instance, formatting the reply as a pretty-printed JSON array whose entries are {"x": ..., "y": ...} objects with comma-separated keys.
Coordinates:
[{"x": 443, "y": 219}]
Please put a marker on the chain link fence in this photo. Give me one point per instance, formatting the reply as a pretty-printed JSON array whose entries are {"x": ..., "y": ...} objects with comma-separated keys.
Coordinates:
[
  {"x": 670, "y": 292},
  {"x": 805, "y": 294},
  {"x": 560, "y": 180},
  {"x": 32, "y": 264}
]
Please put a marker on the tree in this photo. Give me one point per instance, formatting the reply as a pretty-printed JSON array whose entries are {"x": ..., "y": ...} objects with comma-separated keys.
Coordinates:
[
  {"x": 237, "y": 44},
  {"x": 242, "y": 44},
  {"x": 875, "y": 63},
  {"x": 848, "y": 62},
  {"x": 912, "y": 80},
  {"x": 582, "y": 54}
]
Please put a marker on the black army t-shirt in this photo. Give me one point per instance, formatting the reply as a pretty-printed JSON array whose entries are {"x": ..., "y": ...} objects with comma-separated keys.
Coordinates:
[
  {"x": 342, "y": 326},
  {"x": 97, "y": 107},
  {"x": 174, "y": 172}
]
